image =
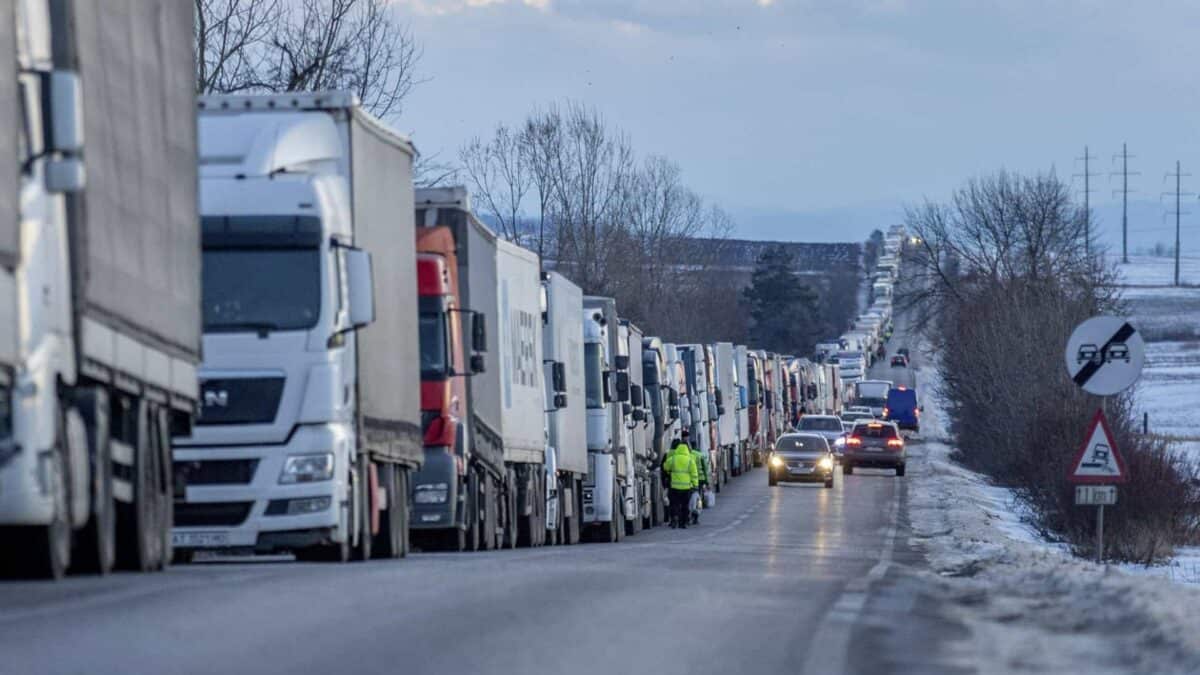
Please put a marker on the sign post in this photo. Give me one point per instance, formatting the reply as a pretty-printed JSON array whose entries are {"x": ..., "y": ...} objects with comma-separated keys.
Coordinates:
[{"x": 1104, "y": 357}]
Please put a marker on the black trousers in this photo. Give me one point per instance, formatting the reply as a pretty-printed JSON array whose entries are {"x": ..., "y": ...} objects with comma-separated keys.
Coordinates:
[{"x": 679, "y": 505}]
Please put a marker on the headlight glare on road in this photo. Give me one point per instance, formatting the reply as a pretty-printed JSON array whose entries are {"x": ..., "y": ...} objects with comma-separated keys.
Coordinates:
[
  {"x": 431, "y": 493},
  {"x": 307, "y": 468},
  {"x": 776, "y": 460}
]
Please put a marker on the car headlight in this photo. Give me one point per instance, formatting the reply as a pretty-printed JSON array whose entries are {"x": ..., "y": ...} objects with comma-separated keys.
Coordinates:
[
  {"x": 307, "y": 468},
  {"x": 826, "y": 463},
  {"x": 776, "y": 460},
  {"x": 431, "y": 493},
  {"x": 841, "y": 440}
]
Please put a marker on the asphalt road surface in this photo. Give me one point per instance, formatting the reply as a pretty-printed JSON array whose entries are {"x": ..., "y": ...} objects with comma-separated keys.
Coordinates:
[{"x": 789, "y": 579}]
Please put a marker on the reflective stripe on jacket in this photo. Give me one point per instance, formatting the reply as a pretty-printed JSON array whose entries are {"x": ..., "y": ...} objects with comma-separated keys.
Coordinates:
[{"x": 682, "y": 467}]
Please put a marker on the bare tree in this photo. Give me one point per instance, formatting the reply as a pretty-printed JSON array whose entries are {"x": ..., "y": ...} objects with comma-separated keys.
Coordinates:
[
  {"x": 499, "y": 171},
  {"x": 306, "y": 45}
]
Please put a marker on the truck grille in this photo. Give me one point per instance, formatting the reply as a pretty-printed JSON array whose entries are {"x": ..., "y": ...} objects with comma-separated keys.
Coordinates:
[
  {"x": 240, "y": 400},
  {"x": 216, "y": 472},
  {"x": 227, "y": 514}
]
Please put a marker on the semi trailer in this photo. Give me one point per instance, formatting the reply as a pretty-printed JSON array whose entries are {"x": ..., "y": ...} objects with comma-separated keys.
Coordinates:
[
  {"x": 99, "y": 280},
  {"x": 310, "y": 424},
  {"x": 566, "y": 405}
]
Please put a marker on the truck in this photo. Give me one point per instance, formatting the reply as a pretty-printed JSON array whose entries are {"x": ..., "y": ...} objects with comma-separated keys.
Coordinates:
[
  {"x": 636, "y": 421},
  {"x": 607, "y": 490},
  {"x": 873, "y": 394},
  {"x": 310, "y": 423},
  {"x": 489, "y": 488},
  {"x": 741, "y": 365},
  {"x": 662, "y": 396},
  {"x": 99, "y": 282},
  {"x": 566, "y": 405},
  {"x": 696, "y": 372},
  {"x": 755, "y": 388},
  {"x": 728, "y": 399}
]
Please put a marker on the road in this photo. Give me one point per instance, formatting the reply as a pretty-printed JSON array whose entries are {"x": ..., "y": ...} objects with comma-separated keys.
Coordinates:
[{"x": 794, "y": 578}]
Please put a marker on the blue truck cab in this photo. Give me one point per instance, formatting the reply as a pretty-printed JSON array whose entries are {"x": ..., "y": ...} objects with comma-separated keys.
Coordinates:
[{"x": 902, "y": 408}]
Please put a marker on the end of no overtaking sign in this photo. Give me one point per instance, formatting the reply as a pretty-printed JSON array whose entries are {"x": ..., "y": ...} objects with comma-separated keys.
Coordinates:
[{"x": 1105, "y": 355}]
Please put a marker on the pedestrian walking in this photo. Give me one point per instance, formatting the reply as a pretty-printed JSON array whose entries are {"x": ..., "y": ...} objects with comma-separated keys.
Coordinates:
[
  {"x": 681, "y": 466},
  {"x": 696, "y": 499}
]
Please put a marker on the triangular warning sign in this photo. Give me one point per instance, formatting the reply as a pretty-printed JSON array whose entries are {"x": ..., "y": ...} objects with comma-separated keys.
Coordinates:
[{"x": 1098, "y": 460}]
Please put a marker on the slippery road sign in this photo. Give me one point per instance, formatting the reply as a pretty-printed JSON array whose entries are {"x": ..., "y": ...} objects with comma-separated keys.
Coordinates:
[
  {"x": 1098, "y": 460},
  {"x": 1105, "y": 355}
]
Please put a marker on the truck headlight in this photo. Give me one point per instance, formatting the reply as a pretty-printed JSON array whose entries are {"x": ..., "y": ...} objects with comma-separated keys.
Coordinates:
[
  {"x": 431, "y": 493},
  {"x": 307, "y": 468}
]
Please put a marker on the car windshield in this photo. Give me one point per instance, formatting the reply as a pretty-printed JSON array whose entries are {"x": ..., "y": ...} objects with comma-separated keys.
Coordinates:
[
  {"x": 261, "y": 289},
  {"x": 820, "y": 424},
  {"x": 788, "y": 443}
]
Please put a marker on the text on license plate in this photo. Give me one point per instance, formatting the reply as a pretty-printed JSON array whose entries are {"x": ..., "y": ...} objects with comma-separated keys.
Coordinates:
[{"x": 205, "y": 539}]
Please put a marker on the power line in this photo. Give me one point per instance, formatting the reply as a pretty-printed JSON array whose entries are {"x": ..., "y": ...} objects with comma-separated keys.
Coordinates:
[
  {"x": 1087, "y": 190},
  {"x": 1178, "y": 176},
  {"x": 1124, "y": 198}
]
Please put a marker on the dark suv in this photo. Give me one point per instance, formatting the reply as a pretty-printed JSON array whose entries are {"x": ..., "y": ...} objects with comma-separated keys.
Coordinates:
[{"x": 874, "y": 444}]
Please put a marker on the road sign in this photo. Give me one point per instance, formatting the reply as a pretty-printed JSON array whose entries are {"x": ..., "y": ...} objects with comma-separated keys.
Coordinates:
[
  {"x": 1095, "y": 495},
  {"x": 1105, "y": 355},
  {"x": 1098, "y": 461}
]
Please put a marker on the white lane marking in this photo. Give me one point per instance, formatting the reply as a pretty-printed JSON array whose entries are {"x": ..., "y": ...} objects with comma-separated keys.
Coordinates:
[{"x": 834, "y": 632}]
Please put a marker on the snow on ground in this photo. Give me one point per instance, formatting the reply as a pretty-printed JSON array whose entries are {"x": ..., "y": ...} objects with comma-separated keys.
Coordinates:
[
  {"x": 1029, "y": 605},
  {"x": 1144, "y": 270}
]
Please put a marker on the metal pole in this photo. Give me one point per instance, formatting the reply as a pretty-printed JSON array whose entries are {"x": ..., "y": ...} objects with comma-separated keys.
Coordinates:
[
  {"x": 1124, "y": 203},
  {"x": 1145, "y": 423},
  {"x": 1177, "y": 188},
  {"x": 1100, "y": 534}
]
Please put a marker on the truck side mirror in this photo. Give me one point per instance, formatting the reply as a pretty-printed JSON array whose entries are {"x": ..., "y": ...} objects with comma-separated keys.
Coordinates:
[
  {"x": 560, "y": 401},
  {"x": 559, "y": 377},
  {"x": 622, "y": 386},
  {"x": 635, "y": 396},
  {"x": 477, "y": 364},
  {"x": 639, "y": 415},
  {"x": 63, "y": 130},
  {"x": 361, "y": 287},
  {"x": 621, "y": 361},
  {"x": 478, "y": 332}
]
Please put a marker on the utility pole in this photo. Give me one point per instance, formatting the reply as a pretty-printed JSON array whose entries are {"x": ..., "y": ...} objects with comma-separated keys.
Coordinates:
[
  {"x": 1087, "y": 191},
  {"x": 1124, "y": 199},
  {"x": 1178, "y": 193}
]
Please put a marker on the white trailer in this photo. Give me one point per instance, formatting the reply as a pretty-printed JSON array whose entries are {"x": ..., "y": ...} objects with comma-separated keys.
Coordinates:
[
  {"x": 99, "y": 280},
  {"x": 728, "y": 404},
  {"x": 566, "y": 401},
  {"x": 741, "y": 364}
]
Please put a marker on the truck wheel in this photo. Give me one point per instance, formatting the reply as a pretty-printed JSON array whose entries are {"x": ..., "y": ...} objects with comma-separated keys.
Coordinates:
[
  {"x": 511, "y": 526},
  {"x": 900, "y": 470},
  {"x": 364, "y": 508},
  {"x": 96, "y": 546},
  {"x": 488, "y": 540},
  {"x": 141, "y": 525},
  {"x": 45, "y": 551},
  {"x": 387, "y": 543},
  {"x": 618, "y": 515},
  {"x": 471, "y": 535},
  {"x": 573, "y": 525}
]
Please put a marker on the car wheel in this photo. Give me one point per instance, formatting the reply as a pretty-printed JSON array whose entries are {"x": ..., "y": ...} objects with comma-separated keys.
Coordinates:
[
  {"x": 900, "y": 470},
  {"x": 829, "y": 483},
  {"x": 847, "y": 468},
  {"x": 772, "y": 481}
]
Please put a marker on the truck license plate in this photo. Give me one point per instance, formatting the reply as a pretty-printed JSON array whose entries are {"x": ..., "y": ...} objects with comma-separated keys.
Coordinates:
[{"x": 200, "y": 539}]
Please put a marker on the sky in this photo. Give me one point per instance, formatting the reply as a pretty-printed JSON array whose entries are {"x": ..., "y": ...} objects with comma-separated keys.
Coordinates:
[{"x": 820, "y": 120}]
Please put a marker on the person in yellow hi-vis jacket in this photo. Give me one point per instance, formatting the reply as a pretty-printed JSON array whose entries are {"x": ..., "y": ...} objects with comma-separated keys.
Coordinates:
[{"x": 681, "y": 466}]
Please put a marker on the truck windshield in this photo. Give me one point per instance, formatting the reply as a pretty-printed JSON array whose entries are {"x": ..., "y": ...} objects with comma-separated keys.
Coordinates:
[
  {"x": 593, "y": 374},
  {"x": 263, "y": 289},
  {"x": 433, "y": 345}
]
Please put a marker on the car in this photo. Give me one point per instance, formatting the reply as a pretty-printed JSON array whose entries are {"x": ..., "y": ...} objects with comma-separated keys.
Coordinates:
[
  {"x": 1118, "y": 351},
  {"x": 852, "y": 417},
  {"x": 861, "y": 409},
  {"x": 827, "y": 426},
  {"x": 875, "y": 444},
  {"x": 1086, "y": 353},
  {"x": 800, "y": 458},
  {"x": 899, "y": 361},
  {"x": 902, "y": 408},
  {"x": 903, "y": 351}
]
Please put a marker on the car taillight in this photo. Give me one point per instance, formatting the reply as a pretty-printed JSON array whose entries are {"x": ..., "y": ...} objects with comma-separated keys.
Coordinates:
[
  {"x": 895, "y": 443},
  {"x": 854, "y": 440}
]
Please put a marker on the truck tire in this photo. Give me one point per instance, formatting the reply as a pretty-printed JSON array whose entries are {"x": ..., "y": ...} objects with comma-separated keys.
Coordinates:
[
  {"x": 364, "y": 507},
  {"x": 141, "y": 524},
  {"x": 388, "y": 543},
  {"x": 473, "y": 533},
  {"x": 44, "y": 552},
  {"x": 96, "y": 545},
  {"x": 489, "y": 541},
  {"x": 511, "y": 527},
  {"x": 900, "y": 471},
  {"x": 618, "y": 514},
  {"x": 574, "y": 523}
]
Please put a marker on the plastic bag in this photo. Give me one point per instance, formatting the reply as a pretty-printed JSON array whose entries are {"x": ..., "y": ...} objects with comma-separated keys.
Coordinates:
[
  {"x": 710, "y": 499},
  {"x": 694, "y": 502}
]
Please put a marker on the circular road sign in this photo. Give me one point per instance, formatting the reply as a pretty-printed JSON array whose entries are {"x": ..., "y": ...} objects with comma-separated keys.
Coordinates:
[{"x": 1105, "y": 355}]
